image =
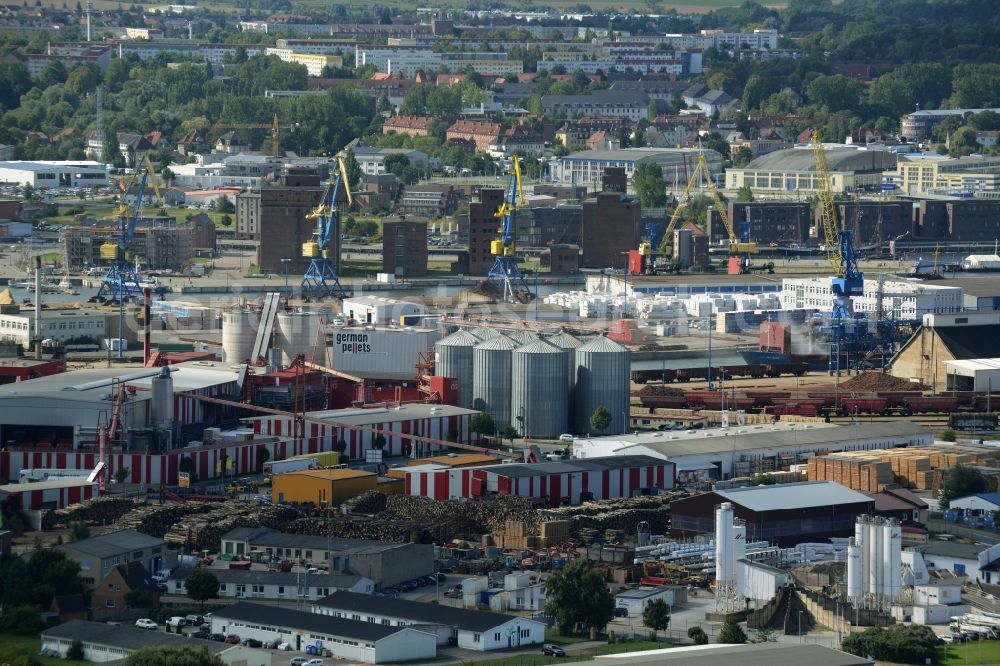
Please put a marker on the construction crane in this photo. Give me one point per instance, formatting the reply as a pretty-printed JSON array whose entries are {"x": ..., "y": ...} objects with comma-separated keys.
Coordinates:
[
  {"x": 740, "y": 248},
  {"x": 505, "y": 277},
  {"x": 321, "y": 280},
  {"x": 122, "y": 279},
  {"x": 273, "y": 126}
]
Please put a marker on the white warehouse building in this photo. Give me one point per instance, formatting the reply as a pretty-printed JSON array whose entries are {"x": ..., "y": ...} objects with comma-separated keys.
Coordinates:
[
  {"x": 902, "y": 298},
  {"x": 80, "y": 173}
]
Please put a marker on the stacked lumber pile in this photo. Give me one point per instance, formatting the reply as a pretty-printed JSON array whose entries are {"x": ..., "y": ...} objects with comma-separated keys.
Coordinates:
[
  {"x": 101, "y": 511},
  {"x": 858, "y": 471},
  {"x": 918, "y": 468}
]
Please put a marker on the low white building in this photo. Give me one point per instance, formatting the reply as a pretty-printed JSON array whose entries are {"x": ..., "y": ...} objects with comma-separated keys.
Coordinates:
[
  {"x": 381, "y": 310},
  {"x": 967, "y": 559},
  {"x": 938, "y": 600},
  {"x": 635, "y": 601},
  {"x": 54, "y": 174},
  {"x": 57, "y": 324},
  {"x": 973, "y": 374},
  {"x": 369, "y": 642},
  {"x": 468, "y": 629},
  {"x": 102, "y": 642},
  {"x": 276, "y": 584},
  {"x": 761, "y": 582},
  {"x": 519, "y": 593},
  {"x": 900, "y": 298},
  {"x": 981, "y": 503}
]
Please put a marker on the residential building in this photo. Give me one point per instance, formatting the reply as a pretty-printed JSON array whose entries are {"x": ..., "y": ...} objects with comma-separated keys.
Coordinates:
[
  {"x": 384, "y": 563},
  {"x": 917, "y": 126},
  {"x": 54, "y": 174},
  {"x": 315, "y": 45},
  {"x": 522, "y": 591},
  {"x": 350, "y": 639},
  {"x": 372, "y": 160},
  {"x": 478, "y": 229},
  {"x": 99, "y": 554},
  {"x": 109, "y": 598},
  {"x": 404, "y": 246},
  {"x": 574, "y": 134},
  {"x": 611, "y": 103},
  {"x": 158, "y": 248},
  {"x": 516, "y": 142},
  {"x": 380, "y": 191},
  {"x": 198, "y": 51},
  {"x": 710, "y": 101},
  {"x": 470, "y": 630},
  {"x": 481, "y": 132},
  {"x": 919, "y": 175},
  {"x": 759, "y": 39},
  {"x": 69, "y": 54},
  {"x": 313, "y": 62},
  {"x": 103, "y": 642},
  {"x": 408, "y": 125},
  {"x": 792, "y": 173},
  {"x": 758, "y": 147},
  {"x": 276, "y": 585}
]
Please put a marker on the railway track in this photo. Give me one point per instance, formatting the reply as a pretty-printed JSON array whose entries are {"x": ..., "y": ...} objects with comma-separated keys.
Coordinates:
[{"x": 935, "y": 422}]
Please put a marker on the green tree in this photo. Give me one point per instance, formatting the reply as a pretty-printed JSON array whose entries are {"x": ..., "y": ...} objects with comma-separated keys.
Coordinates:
[
  {"x": 578, "y": 598},
  {"x": 652, "y": 110},
  {"x": 78, "y": 531},
  {"x": 18, "y": 655},
  {"x": 732, "y": 633},
  {"x": 483, "y": 424},
  {"x": 354, "y": 172},
  {"x": 698, "y": 635},
  {"x": 836, "y": 92},
  {"x": 985, "y": 121},
  {"x": 649, "y": 185},
  {"x": 162, "y": 655},
  {"x": 656, "y": 616},
  {"x": 962, "y": 481},
  {"x": 964, "y": 142},
  {"x": 226, "y": 220},
  {"x": 601, "y": 419},
  {"x": 121, "y": 474},
  {"x": 22, "y": 620},
  {"x": 949, "y": 436},
  {"x": 341, "y": 448},
  {"x": 139, "y": 599},
  {"x": 82, "y": 79},
  {"x": 222, "y": 204},
  {"x": 744, "y": 195},
  {"x": 379, "y": 442},
  {"x": 201, "y": 586},
  {"x": 509, "y": 433},
  {"x": 765, "y": 635}
]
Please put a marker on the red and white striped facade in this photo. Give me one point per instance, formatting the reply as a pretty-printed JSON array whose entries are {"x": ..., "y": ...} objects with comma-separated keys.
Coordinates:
[
  {"x": 47, "y": 494},
  {"x": 431, "y": 426},
  {"x": 597, "y": 478}
]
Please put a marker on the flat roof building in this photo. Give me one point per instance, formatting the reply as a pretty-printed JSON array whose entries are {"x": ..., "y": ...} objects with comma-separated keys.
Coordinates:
[
  {"x": 55, "y": 174},
  {"x": 103, "y": 642},
  {"x": 792, "y": 173}
]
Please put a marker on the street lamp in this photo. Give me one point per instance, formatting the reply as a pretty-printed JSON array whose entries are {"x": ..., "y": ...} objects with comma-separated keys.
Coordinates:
[
  {"x": 284, "y": 263},
  {"x": 800, "y": 626}
]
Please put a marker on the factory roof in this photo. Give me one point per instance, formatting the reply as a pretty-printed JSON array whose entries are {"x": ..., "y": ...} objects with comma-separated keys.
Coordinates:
[
  {"x": 124, "y": 636},
  {"x": 972, "y": 364},
  {"x": 114, "y": 543},
  {"x": 751, "y": 437},
  {"x": 295, "y": 619},
  {"x": 77, "y": 482},
  {"x": 257, "y": 577},
  {"x": 521, "y": 470},
  {"x": 963, "y": 551},
  {"x": 793, "y": 495},
  {"x": 973, "y": 286},
  {"x": 965, "y": 342},
  {"x": 452, "y": 459},
  {"x": 839, "y": 159},
  {"x": 361, "y": 417},
  {"x": 720, "y": 654},
  {"x": 330, "y": 474},
  {"x": 646, "y": 592},
  {"x": 425, "y": 613}
]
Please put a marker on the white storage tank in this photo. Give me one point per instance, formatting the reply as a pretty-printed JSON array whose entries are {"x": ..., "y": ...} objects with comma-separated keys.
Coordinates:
[
  {"x": 239, "y": 332},
  {"x": 854, "y": 571},
  {"x": 300, "y": 333},
  {"x": 723, "y": 549}
]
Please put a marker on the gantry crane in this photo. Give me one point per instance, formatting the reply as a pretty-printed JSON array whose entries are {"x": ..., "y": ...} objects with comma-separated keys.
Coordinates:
[
  {"x": 740, "y": 248},
  {"x": 505, "y": 277},
  {"x": 321, "y": 278},
  {"x": 273, "y": 126},
  {"x": 121, "y": 282}
]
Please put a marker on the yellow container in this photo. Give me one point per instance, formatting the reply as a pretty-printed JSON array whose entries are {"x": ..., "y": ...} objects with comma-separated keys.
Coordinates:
[
  {"x": 496, "y": 247},
  {"x": 310, "y": 249},
  {"x": 321, "y": 487},
  {"x": 109, "y": 251}
]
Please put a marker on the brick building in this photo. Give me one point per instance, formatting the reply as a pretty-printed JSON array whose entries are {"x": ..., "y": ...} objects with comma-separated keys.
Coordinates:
[
  {"x": 108, "y": 600},
  {"x": 408, "y": 125},
  {"x": 539, "y": 226},
  {"x": 784, "y": 223},
  {"x": 561, "y": 259},
  {"x": 429, "y": 200},
  {"x": 875, "y": 222},
  {"x": 974, "y": 220},
  {"x": 480, "y": 132},
  {"x": 610, "y": 225},
  {"x": 404, "y": 246},
  {"x": 479, "y": 228}
]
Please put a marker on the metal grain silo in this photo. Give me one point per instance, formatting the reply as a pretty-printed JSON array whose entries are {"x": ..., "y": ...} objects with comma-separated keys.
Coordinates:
[
  {"x": 603, "y": 370},
  {"x": 569, "y": 345},
  {"x": 484, "y": 333},
  {"x": 239, "y": 332},
  {"x": 453, "y": 358},
  {"x": 539, "y": 399},
  {"x": 491, "y": 378},
  {"x": 521, "y": 336}
]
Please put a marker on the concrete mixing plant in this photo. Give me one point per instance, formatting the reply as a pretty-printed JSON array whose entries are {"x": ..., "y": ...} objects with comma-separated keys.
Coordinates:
[{"x": 874, "y": 563}]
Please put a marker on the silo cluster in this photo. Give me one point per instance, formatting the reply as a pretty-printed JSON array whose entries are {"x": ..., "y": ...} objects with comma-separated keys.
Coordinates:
[
  {"x": 874, "y": 562},
  {"x": 542, "y": 385}
]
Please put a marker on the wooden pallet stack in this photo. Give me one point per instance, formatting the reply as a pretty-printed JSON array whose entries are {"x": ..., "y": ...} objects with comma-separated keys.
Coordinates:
[{"x": 858, "y": 471}]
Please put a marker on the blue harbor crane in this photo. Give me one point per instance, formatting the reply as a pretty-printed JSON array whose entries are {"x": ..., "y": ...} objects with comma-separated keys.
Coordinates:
[
  {"x": 505, "y": 277},
  {"x": 121, "y": 282},
  {"x": 321, "y": 280}
]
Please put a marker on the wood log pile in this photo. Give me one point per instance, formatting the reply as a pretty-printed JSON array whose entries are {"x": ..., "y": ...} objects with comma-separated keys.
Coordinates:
[
  {"x": 101, "y": 511},
  {"x": 618, "y": 514}
]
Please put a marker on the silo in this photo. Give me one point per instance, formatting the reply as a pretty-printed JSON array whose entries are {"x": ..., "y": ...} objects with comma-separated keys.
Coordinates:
[
  {"x": 861, "y": 541},
  {"x": 891, "y": 560},
  {"x": 491, "y": 378},
  {"x": 453, "y": 358},
  {"x": 723, "y": 549},
  {"x": 569, "y": 345},
  {"x": 739, "y": 552},
  {"x": 239, "y": 332},
  {"x": 874, "y": 542},
  {"x": 603, "y": 370},
  {"x": 300, "y": 333},
  {"x": 521, "y": 336},
  {"x": 484, "y": 333},
  {"x": 539, "y": 400},
  {"x": 854, "y": 571}
]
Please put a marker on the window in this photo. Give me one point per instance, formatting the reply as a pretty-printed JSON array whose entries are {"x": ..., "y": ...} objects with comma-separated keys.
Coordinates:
[
  {"x": 222, "y": 587},
  {"x": 281, "y": 589},
  {"x": 386, "y": 621},
  {"x": 496, "y": 636},
  {"x": 475, "y": 638},
  {"x": 109, "y": 603}
]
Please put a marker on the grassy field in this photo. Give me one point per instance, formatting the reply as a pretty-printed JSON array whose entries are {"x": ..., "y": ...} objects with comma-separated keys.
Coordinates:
[
  {"x": 980, "y": 652},
  {"x": 32, "y": 645}
]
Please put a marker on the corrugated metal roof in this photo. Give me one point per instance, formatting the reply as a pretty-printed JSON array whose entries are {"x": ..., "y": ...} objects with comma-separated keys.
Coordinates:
[
  {"x": 793, "y": 495},
  {"x": 521, "y": 470},
  {"x": 603, "y": 344},
  {"x": 759, "y": 654}
]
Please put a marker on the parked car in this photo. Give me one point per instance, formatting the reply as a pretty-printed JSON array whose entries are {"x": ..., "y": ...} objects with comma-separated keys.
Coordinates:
[
  {"x": 284, "y": 647},
  {"x": 621, "y": 612},
  {"x": 195, "y": 620},
  {"x": 221, "y": 638},
  {"x": 232, "y": 639},
  {"x": 314, "y": 662},
  {"x": 252, "y": 642},
  {"x": 298, "y": 661},
  {"x": 553, "y": 650},
  {"x": 146, "y": 623},
  {"x": 441, "y": 576},
  {"x": 565, "y": 437},
  {"x": 176, "y": 622}
]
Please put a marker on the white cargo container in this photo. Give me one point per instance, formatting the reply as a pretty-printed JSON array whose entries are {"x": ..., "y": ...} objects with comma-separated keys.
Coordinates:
[{"x": 380, "y": 351}]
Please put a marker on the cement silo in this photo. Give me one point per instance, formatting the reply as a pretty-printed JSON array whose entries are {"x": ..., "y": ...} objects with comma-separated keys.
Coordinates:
[
  {"x": 724, "y": 532},
  {"x": 300, "y": 333},
  {"x": 603, "y": 370},
  {"x": 539, "y": 400},
  {"x": 491, "y": 378},
  {"x": 453, "y": 358},
  {"x": 854, "y": 571},
  {"x": 239, "y": 332}
]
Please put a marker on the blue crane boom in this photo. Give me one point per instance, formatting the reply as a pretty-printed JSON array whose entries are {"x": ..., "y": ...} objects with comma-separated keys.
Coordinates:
[
  {"x": 321, "y": 279},
  {"x": 121, "y": 282},
  {"x": 505, "y": 277}
]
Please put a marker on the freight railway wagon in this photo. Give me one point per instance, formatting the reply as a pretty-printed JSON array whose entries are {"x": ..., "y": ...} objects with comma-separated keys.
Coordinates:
[
  {"x": 752, "y": 370},
  {"x": 821, "y": 403}
]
